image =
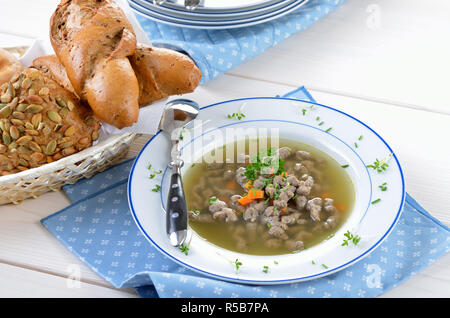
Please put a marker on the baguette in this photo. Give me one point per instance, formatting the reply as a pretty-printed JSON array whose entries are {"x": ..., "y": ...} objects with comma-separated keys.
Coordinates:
[
  {"x": 92, "y": 39},
  {"x": 163, "y": 72},
  {"x": 160, "y": 72}
]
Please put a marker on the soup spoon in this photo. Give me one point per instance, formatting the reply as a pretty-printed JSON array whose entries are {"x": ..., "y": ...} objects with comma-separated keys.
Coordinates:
[{"x": 177, "y": 114}]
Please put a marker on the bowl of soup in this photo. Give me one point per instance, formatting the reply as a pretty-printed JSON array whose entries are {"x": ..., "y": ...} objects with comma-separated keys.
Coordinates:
[{"x": 274, "y": 196}]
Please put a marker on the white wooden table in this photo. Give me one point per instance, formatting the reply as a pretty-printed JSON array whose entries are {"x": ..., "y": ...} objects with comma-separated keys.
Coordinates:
[{"x": 384, "y": 61}]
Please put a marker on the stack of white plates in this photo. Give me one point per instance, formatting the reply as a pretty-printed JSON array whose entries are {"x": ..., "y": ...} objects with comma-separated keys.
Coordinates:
[{"x": 215, "y": 14}]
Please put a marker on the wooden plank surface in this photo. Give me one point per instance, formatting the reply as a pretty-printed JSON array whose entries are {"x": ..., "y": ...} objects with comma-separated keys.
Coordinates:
[
  {"x": 383, "y": 50},
  {"x": 22, "y": 282}
]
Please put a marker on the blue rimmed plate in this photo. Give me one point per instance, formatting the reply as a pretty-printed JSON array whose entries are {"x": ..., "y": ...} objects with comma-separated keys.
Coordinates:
[
  {"x": 372, "y": 219},
  {"x": 142, "y": 8},
  {"x": 222, "y": 5},
  {"x": 219, "y": 16}
]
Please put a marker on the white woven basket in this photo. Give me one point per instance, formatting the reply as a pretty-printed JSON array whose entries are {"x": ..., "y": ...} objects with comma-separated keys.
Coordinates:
[{"x": 32, "y": 183}]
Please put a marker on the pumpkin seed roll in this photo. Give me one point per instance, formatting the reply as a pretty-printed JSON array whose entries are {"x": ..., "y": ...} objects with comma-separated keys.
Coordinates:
[{"x": 41, "y": 122}]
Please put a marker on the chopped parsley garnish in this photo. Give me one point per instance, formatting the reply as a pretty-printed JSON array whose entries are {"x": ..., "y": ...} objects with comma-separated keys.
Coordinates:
[
  {"x": 321, "y": 123},
  {"x": 239, "y": 115},
  {"x": 265, "y": 269},
  {"x": 184, "y": 248},
  {"x": 356, "y": 145},
  {"x": 212, "y": 200},
  {"x": 383, "y": 187},
  {"x": 237, "y": 264},
  {"x": 345, "y": 166},
  {"x": 304, "y": 111},
  {"x": 312, "y": 262},
  {"x": 329, "y": 129},
  {"x": 360, "y": 137},
  {"x": 268, "y": 225},
  {"x": 317, "y": 118},
  {"x": 268, "y": 162},
  {"x": 196, "y": 212},
  {"x": 375, "y": 201},
  {"x": 156, "y": 188},
  {"x": 350, "y": 238},
  {"x": 275, "y": 262},
  {"x": 324, "y": 266},
  {"x": 380, "y": 165},
  {"x": 149, "y": 166},
  {"x": 154, "y": 173}
]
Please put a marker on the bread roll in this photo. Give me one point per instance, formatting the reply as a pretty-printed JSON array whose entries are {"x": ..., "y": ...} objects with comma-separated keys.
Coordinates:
[
  {"x": 41, "y": 122},
  {"x": 160, "y": 72},
  {"x": 163, "y": 72},
  {"x": 9, "y": 66},
  {"x": 92, "y": 39},
  {"x": 51, "y": 67}
]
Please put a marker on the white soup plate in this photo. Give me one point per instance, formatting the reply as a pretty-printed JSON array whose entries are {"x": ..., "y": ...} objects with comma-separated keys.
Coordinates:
[{"x": 349, "y": 141}]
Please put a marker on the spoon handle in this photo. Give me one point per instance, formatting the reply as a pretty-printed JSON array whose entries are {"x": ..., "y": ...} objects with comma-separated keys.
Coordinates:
[{"x": 176, "y": 214}]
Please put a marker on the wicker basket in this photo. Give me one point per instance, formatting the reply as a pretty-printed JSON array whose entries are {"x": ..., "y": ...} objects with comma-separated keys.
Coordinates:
[{"x": 50, "y": 177}]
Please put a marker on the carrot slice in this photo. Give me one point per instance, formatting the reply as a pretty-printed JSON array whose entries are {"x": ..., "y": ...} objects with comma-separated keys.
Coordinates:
[
  {"x": 245, "y": 200},
  {"x": 283, "y": 210},
  {"x": 284, "y": 174},
  {"x": 255, "y": 194},
  {"x": 248, "y": 185}
]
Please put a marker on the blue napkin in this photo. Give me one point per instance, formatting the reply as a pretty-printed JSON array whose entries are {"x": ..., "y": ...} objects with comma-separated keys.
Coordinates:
[
  {"x": 100, "y": 230},
  {"x": 217, "y": 51}
]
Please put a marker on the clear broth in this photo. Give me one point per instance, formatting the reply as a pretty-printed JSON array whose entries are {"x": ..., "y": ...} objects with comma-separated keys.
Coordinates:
[{"x": 201, "y": 183}]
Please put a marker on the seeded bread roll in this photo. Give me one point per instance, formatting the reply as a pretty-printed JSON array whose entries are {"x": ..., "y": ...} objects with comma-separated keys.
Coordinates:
[
  {"x": 52, "y": 67},
  {"x": 92, "y": 39},
  {"x": 41, "y": 122}
]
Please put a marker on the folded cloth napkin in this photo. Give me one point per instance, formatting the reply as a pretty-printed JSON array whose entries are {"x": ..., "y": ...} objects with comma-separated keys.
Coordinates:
[
  {"x": 99, "y": 229},
  {"x": 217, "y": 51}
]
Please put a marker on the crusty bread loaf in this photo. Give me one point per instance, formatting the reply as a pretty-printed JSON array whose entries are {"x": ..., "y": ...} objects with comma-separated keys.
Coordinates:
[
  {"x": 160, "y": 72},
  {"x": 163, "y": 72},
  {"x": 40, "y": 122},
  {"x": 92, "y": 39},
  {"x": 9, "y": 66}
]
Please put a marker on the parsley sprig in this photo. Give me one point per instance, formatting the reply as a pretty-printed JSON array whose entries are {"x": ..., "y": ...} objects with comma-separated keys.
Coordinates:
[
  {"x": 237, "y": 263},
  {"x": 239, "y": 115},
  {"x": 154, "y": 173},
  {"x": 380, "y": 165},
  {"x": 350, "y": 237},
  {"x": 184, "y": 248}
]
